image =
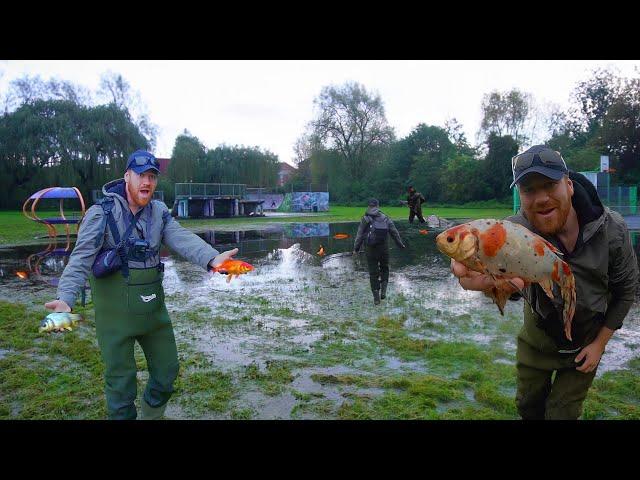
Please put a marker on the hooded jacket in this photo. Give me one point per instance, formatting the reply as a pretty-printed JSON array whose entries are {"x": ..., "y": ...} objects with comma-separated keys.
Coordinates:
[
  {"x": 605, "y": 268},
  {"x": 374, "y": 214},
  {"x": 155, "y": 224}
]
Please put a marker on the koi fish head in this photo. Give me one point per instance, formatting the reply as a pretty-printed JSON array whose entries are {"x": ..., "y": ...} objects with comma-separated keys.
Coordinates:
[{"x": 458, "y": 242}]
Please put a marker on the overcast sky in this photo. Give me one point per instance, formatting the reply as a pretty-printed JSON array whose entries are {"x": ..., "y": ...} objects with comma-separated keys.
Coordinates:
[{"x": 268, "y": 103}]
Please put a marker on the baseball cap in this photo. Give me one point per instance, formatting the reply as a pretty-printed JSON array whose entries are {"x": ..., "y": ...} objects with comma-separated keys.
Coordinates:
[
  {"x": 538, "y": 159},
  {"x": 373, "y": 202},
  {"x": 141, "y": 161}
]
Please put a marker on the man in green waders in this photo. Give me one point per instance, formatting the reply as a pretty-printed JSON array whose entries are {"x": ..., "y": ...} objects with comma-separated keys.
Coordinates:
[{"x": 129, "y": 302}]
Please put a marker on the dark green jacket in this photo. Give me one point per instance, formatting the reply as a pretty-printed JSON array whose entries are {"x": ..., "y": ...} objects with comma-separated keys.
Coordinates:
[
  {"x": 374, "y": 214},
  {"x": 605, "y": 269}
]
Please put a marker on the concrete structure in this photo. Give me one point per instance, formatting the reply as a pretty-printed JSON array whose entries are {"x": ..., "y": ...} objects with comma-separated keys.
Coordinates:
[{"x": 214, "y": 200}]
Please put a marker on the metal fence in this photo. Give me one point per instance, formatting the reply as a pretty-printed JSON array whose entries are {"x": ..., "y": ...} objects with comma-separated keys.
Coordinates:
[
  {"x": 210, "y": 189},
  {"x": 622, "y": 199}
]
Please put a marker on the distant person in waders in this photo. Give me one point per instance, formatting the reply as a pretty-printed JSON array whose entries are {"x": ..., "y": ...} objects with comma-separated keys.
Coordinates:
[
  {"x": 374, "y": 229},
  {"x": 118, "y": 249},
  {"x": 414, "y": 202}
]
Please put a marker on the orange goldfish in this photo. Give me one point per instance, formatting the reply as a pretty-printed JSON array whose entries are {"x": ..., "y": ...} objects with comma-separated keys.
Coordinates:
[
  {"x": 341, "y": 236},
  {"x": 423, "y": 232},
  {"x": 233, "y": 267},
  {"x": 321, "y": 252},
  {"x": 506, "y": 250},
  {"x": 23, "y": 275}
]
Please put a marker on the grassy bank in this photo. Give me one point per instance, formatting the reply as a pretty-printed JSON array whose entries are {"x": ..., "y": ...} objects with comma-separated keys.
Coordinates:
[{"x": 16, "y": 229}]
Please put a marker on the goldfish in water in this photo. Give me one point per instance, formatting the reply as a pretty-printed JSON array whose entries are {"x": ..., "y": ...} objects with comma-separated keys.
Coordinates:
[
  {"x": 233, "y": 267},
  {"x": 321, "y": 251},
  {"x": 22, "y": 274},
  {"x": 341, "y": 236},
  {"x": 506, "y": 250},
  {"x": 423, "y": 232},
  {"x": 59, "y": 321}
]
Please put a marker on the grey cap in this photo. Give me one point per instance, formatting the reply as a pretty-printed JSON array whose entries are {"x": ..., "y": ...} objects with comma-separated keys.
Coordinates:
[
  {"x": 373, "y": 202},
  {"x": 538, "y": 159}
]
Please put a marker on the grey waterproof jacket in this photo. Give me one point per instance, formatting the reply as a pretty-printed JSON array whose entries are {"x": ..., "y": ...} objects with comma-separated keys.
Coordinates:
[
  {"x": 155, "y": 224},
  {"x": 374, "y": 214},
  {"x": 605, "y": 268}
]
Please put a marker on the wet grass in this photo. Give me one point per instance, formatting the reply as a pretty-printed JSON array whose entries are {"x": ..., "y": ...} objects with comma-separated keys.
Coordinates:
[
  {"x": 48, "y": 376},
  {"x": 363, "y": 365}
]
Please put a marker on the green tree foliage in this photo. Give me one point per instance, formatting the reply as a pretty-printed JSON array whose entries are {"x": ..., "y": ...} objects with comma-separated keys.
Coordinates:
[
  {"x": 505, "y": 113},
  {"x": 191, "y": 161},
  {"x": 352, "y": 121},
  {"x": 59, "y": 142},
  {"x": 605, "y": 120},
  {"x": 497, "y": 164}
]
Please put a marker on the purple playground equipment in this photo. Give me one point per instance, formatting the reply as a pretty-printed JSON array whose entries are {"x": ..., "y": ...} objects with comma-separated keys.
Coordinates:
[
  {"x": 55, "y": 257},
  {"x": 55, "y": 193}
]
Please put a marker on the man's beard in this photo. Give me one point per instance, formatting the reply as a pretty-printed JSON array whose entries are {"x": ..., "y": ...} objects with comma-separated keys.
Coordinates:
[
  {"x": 138, "y": 200},
  {"x": 555, "y": 224}
]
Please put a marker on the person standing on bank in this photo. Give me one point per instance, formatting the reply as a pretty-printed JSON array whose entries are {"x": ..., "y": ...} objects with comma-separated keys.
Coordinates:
[
  {"x": 118, "y": 248},
  {"x": 414, "y": 202},
  {"x": 564, "y": 208},
  {"x": 374, "y": 229}
]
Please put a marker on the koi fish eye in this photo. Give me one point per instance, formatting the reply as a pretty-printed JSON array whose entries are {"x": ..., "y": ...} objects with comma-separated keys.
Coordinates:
[{"x": 450, "y": 239}]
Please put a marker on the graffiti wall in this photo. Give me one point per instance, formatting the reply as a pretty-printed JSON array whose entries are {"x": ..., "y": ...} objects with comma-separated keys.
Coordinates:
[{"x": 309, "y": 201}]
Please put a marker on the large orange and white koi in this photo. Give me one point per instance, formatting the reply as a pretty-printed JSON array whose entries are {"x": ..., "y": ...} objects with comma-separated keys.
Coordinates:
[
  {"x": 233, "y": 267},
  {"x": 505, "y": 250}
]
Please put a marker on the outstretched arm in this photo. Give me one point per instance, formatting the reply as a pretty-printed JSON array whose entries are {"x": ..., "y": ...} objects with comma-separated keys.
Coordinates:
[
  {"x": 88, "y": 244},
  {"x": 395, "y": 234},
  {"x": 186, "y": 243}
]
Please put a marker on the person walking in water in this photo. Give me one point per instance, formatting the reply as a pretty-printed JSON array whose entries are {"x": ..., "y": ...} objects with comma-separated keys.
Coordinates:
[
  {"x": 374, "y": 229},
  {"x": 414, "y": 202}
]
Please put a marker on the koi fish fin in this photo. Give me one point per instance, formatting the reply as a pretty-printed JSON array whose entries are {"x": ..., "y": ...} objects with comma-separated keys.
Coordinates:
[
  {"x": 568, "y": 290},
  {"x": 67, "y": 328},
  {"x": 498, "y": 294},
  {"x": 547, "y": 286},
  {"x": 229, "y": 277}
]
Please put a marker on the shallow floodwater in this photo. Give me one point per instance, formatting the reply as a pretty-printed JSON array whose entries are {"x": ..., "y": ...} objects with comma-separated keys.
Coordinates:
[{"x": 295, "y": 301}]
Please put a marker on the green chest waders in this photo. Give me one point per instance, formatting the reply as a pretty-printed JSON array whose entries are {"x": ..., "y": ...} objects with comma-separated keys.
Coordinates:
[
  {"x": 539, "y": 396},
  {"x": 378, "y": 264},
  {"x": 127, "y": 310}
]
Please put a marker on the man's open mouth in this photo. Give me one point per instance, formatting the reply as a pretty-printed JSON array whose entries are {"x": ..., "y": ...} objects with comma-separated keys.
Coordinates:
[{"x": 546, "y": 212}]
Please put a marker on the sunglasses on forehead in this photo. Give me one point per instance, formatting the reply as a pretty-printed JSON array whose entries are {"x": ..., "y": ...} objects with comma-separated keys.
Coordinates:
[
  {"x": 548, "y": 158},
  {"x": 141, "y": 160}
]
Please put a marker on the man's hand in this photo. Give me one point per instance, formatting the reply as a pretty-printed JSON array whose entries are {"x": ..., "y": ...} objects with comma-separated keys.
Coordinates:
[
  {"x": 58, "y": 306},
  {"x": 222, "y": 257},
  {"x": 481, "y": 282},
  {"x": 592, "y": 354}
]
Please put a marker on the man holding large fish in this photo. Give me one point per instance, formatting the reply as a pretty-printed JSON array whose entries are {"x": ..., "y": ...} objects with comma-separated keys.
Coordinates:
[
  {"x": 573, "y": 263},
  {"x": 126, "y": 285}
]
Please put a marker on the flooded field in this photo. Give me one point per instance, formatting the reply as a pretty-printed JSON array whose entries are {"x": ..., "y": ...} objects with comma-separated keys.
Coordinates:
[{"x": 299, "y": 337}]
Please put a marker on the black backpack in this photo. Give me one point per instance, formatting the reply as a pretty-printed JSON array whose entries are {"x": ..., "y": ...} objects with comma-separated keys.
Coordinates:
[{"x": 378, "y": 230}]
